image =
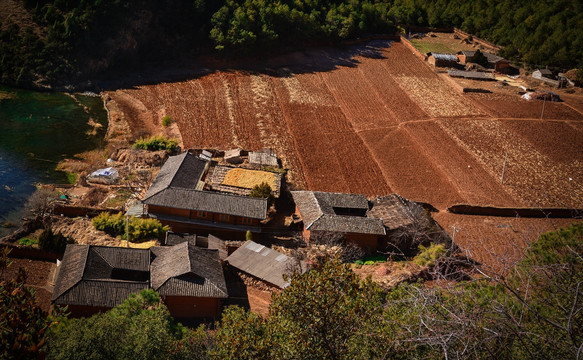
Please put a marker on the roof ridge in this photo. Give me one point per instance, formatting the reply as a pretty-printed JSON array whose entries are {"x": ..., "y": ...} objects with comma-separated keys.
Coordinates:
[
  {"x": 102, "y": 258},
  {"x": 84, "y": 264}
]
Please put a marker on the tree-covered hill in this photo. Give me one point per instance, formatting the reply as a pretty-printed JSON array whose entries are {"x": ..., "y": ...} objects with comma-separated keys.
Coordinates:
[{"x": 65, "y": 41}]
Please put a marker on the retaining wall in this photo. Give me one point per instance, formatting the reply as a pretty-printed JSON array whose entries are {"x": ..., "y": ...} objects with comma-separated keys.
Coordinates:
[{"x": 516, "y": 212}]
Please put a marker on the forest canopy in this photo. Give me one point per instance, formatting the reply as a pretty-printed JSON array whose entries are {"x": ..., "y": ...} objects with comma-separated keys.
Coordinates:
[{"x": 72, "y": 40}]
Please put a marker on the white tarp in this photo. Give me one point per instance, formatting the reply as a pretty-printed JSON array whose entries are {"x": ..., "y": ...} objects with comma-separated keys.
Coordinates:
[{"x": 110, "y": 173}]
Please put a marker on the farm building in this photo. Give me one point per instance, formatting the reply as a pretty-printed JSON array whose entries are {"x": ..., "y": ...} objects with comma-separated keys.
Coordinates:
[
  {"x": 189, "y": 279},
  {"x": 263, "y": 158},
  {"x": 472, "y": 75},
  {"x": 207, "y": 242},
  {"x": 334, "y": 213},
  {"x": 92, "y": 278},
  {"x": 265, "y": 264},
  {"x": 543, "y": 73},
  {"x": 548, "y": 77},
  {"x": 442, "y": 60},
  {"x": 233, "y": 156},
  {"x": 176, "y": 198},
  {"x": 495, "y": 62}
]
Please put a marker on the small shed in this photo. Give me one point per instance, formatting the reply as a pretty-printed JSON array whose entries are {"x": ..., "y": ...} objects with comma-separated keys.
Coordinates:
[
  {"x": 263, "y": 158},
  {"x": 543, "y": 73},
  {"x": 265, "y": 264},
  {"x": 471, "y": 75},
  {"x": 233, "y": 156},
  {"x": 442, "y": 60}
]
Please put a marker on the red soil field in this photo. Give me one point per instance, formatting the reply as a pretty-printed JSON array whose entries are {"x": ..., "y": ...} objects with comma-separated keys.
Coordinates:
[
  {"x": 513, "y": 106},
  {"x": 349, "y": 121}
]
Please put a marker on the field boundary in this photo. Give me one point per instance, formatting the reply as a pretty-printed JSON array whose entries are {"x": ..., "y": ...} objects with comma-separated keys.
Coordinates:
[
  {"x": 564, "y": 213},
  {"x": 412, "y": 47}
]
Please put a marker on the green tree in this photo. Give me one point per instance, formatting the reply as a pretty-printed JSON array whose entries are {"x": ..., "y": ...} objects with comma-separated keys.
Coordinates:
[
  {"x": 328, "y": 313},
  {"x": 23, "y": 324},
  {"x": 140, "y": 328}
]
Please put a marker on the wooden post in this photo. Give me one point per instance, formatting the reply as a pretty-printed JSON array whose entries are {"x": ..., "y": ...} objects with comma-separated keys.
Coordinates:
[
  {"x": 127, "y": 231},
  {"x": 504, "y": 168},
  {"x": 543, "y": 111}
]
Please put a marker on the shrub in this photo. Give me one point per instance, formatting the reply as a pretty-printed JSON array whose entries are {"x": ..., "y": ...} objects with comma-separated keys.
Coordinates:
[
  {"x": 27, "y": 242},
  {"x": 359, "y": 262},
  {"x": 428, "y": 255},
  {"x": 166, "y": 120},
  {"x": 53, "y": 242},
  {"x": 248, "y": 235},
  {"x": 263, "y": 190},
  {"x": 156, "y": 143},
  {"x": 139, "y": 229},
  {"x": 369, "y": 262}
]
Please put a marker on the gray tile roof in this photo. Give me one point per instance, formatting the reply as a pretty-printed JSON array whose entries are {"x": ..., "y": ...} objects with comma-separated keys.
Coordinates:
[
  {"x": 392, "y": 210},
  {"x": 191, "y": 199},
  {"x": 103, "y": 276},
  {"x": 319, "y": 212},
  {"x": 471, "y": 74},
  {"x": 444, "y": 57},
  {"x": 187, "y": 270},
  {"x": 100, "y": 276},
  {"x": 182, "y": 171},
  {"x": 265, "y": 263}
]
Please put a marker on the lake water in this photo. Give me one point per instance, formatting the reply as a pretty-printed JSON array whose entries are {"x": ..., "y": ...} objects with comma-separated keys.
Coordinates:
[{"x": 37, "y": 130}]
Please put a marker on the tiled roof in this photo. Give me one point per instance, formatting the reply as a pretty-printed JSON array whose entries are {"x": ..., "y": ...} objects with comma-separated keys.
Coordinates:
[
  {"x": 319, "y": 212},
  {"x": 191, "y": 199},
  {"x": 445, "y": 57},
  {"x": 182, "y": 171},
  {"x": 265, "y": 263},
  {"x": 188, "y": 270},
  {"x": 392, "y": 210}
]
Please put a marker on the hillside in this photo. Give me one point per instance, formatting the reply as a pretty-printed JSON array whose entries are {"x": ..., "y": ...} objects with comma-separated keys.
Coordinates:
[{"x": 55, "y": 43}]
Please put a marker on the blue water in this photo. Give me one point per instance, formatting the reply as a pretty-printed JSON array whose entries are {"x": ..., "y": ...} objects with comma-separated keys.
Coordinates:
[{"x": 37, "y": 130}]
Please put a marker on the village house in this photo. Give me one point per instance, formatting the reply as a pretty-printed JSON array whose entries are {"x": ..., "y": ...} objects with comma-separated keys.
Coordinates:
[
  {"x": 326, "y": 214},
  {"x": 93, "y": 279},
  {"x": 372, "y": 225},
  {"x": 498, "y": 63},
  {"x": 178, "y": 198}
]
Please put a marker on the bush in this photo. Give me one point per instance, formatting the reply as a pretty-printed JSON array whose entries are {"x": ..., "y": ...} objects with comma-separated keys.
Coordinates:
[
  {"x": 263, "y": 190},
  {"x": 156, "y": 143},
  {"x": 428, "y": 255},
  {"x": 166, "y": 120},
  {"x": 139, "y": 229},
  {"x": 53, "y": 242},
  {"x": 248, "y": 235},
  {"x": 369, "y": 262},
  {"x": 27, "y": 242}
]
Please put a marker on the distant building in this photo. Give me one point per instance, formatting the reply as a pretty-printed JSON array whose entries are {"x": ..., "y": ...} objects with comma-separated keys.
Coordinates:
[
  {"x": 495, "y": 62},
  {"x": 176, "y": 198},
  {"x": 263, "y": 158},
  {"x": 472, "y": 75},
  {"x": 442, "y": 60},
  {"x": 93, "y": 279},
  {"x": 543, "y": 73}
]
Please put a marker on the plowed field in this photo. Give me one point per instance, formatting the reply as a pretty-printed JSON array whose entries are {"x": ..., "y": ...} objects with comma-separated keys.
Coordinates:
[{"x": 374, "y": 119}]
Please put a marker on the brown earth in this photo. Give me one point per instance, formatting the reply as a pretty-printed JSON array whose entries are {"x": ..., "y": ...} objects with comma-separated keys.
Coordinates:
[
  {"x": 38, "y": 272},
  {"x": 375, "y": 119}
]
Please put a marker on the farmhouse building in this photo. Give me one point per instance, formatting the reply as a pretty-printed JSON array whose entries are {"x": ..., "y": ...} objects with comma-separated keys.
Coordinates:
[
  {"x": 442, "y": 60},
  {"x": 326, "y": 214},
  {"x": 92, "y": 279},
  {"x": 206, "y": 242},
  {"x": 495, "y": 62},
  {"x": 265, "y": 264},
  {"x": 548, "y": 77},
  {"x": 177, "y": 199},
  {"x": 472, "y": 75}
]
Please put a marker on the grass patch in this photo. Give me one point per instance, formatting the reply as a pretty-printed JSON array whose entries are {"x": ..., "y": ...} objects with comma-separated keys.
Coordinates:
[
  {"x": 370, "y": 260},
  {"x": 425, "y": 47},
  {"x": 120, "y": 198},
  {"x": 72, "y": 177},
  {"x": 156, "y": 143},
  {"x": 28, "y": 242},
  {"x": 166, "y": 120}
]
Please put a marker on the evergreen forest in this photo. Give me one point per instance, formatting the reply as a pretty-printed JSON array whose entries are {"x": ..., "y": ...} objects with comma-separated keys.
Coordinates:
[{"x": 66, "y": 41}]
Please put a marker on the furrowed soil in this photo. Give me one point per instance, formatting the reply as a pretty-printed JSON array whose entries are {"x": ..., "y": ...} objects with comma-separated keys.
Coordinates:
[{"x": 373, "y": 118}]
